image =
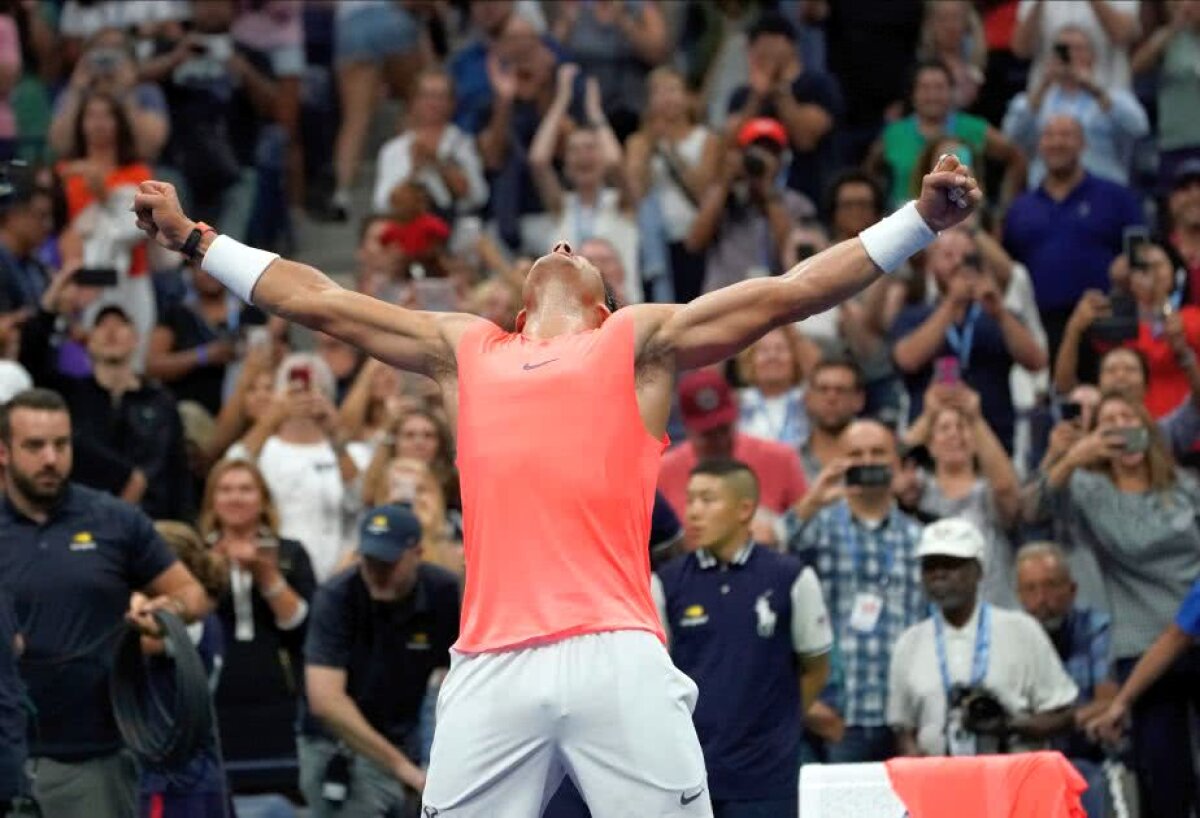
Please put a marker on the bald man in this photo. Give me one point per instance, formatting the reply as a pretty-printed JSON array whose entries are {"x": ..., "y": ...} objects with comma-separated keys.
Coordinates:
[
  {"x": 1071, "y": 221},
  {"x": 850, "y": 530}
]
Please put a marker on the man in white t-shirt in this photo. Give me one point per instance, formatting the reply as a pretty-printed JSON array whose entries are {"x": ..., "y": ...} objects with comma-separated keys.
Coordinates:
[{"x": 972, "y": 679}]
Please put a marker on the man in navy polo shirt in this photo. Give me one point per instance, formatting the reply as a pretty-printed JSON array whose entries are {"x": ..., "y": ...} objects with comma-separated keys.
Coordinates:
[
  {"x": 1069, "y": 229},
  {"x": 749, "y": 626},
  {"x": 377, "y": 632},
  {"x": 72, "y": 557}
]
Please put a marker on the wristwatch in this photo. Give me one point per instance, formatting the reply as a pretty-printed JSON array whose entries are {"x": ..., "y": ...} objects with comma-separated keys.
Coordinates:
[{"x": 191, "y": 245}]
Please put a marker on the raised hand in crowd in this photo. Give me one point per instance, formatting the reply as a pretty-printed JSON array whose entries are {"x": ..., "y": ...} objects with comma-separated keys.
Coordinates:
[{"x": 828, "y": 488}]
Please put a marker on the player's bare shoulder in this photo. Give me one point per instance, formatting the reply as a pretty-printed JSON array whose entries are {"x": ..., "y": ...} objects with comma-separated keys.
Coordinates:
[
  {"x": 449, "y": 329},
  {"x": 652, "y": 349}
]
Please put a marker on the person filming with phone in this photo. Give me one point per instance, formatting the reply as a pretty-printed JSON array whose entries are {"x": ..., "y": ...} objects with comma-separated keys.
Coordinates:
[
  {"x": 1142, "y": 314},
  {"x": 850, "y": 530},
  {"x": 967, "y": 335},
  {"x": 1135, "y": 512}
]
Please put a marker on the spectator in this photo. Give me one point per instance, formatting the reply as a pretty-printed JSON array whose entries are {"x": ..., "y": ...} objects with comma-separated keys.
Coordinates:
[
  {"x": 1082, "y": 639},
  {"x": 344, "y": 362},
  {"x": 834, "y": 397},
  {"x": 380, "y": 630},
  {"x": 863, "y": 549},
  {"x": 469, "y": 66},
  {"x": 806, "y": 102},
  {"x": 68, "y": 611},
  {"x": 1139, "y": 515},
  {"x": 618, "y": 44},
  {"x": 710, "y": 415},
  {"x": 1183, "y": 203},
  {"x": 1072, "y": 221},
  {"x": 496, "y": 300},
  {"x": 771, "y": 405},
  {"x": 972, "y": 479},
  {"x": 248, "y": 401},
  {"x": 100, "y": 180},
  {"x": 108, "y": 67},
  {"x": 421, "y": 435},
  {"x": 981, "y": 653},
  {"x": 1167, "y": 339},
  {"x": 899, "y": 148},
  {"x": 968, "y": 332},
  {"x": 671, "y": 160},
  {"x": 370, "y": 408},
  {"x": 219, "y": 97},
  {"x": 413, "y": 482},
  {"x": 1112, "y": 120},
  {"x": 303, "y": 458},
  {"x": 26, "y": 221},
  {"x": 1111, "y": 24},
  {"x": 747, "y": 215},
  {"x": 376, "y": 48},
  {"x": 1172, "y": 659},
  {"x": 196, "y": 341},
  {"x": 275, "y": 29},
  {"x": 953, "y": 34},
  {"x": 194, "y": 787},
  {"x": 521, "y": 71},
  {"x": 433, "y": 151},
  {"x": 755, "y": 677},
  {"x": 264, "y": 616},
  {"x": 590, "y": 207},
  {"x": 1172, "y": 49}
]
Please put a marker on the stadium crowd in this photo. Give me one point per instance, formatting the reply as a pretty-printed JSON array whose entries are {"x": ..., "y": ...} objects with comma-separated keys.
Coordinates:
[{"x": 973, "y": 485}]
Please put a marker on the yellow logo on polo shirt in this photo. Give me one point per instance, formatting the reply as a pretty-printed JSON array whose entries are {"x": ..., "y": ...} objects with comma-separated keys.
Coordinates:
[
  {"x": 83, "y": 541},
  {"x": 693, "y": 615},
  {"x": 418, "y": 641}
]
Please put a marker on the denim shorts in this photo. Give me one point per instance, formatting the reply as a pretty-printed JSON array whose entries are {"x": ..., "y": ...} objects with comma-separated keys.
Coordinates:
[{"x": 374, "y": 33}]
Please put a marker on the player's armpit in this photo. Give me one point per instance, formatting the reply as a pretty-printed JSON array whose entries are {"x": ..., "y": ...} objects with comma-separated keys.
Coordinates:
[{"x": 413, "y": 340}]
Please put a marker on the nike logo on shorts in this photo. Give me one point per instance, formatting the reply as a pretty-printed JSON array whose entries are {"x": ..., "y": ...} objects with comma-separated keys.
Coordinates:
[
  {"x": 528, "y": 367},
  {"x": 685, "y": 799}
]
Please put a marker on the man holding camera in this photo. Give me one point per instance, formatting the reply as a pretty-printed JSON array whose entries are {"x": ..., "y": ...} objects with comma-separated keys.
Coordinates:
[
  {"x": 967, "y": 335},
  {"x": 747, "y": 214},
  {"x": 973, "y": 679},
  {"x": 862, "y": 546},
  {"x": 377, "y": 632}
]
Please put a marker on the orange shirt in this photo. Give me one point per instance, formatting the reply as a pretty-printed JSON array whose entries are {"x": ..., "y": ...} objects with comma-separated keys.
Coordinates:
[
  {"x": 558, "y": 474},
  {"x": 1024, "y": 785},
  {"x": 79, "y": 196}
]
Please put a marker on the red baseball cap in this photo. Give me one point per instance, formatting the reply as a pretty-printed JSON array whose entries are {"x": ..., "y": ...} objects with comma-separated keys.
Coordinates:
[
  {"x": 762, "y": 127},
  {"x": 706, "y": 401}
]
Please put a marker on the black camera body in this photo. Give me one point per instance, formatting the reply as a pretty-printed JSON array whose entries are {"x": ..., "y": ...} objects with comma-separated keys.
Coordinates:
[
  {"x": 756, "y": 161},
  {"x": 982, "y": 714}
]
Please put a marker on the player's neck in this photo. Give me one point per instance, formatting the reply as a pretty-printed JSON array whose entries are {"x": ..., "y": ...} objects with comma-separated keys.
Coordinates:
[{"x": 557, "y": 313}]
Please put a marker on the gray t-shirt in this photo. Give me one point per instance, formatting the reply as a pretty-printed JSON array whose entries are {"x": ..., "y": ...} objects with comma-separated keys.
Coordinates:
[{"x": 1147, "y": 546}]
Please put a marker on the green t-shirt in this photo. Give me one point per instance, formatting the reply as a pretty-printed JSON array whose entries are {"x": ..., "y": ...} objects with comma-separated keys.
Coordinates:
[
  {"x": 1179, "y": 93},
  {"x": 903, "y": 143}
]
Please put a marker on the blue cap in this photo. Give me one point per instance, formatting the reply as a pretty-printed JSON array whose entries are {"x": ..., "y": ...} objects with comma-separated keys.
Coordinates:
[
  {"x": 1184, "y": 172},
  {"x": 388, "y": 531}
]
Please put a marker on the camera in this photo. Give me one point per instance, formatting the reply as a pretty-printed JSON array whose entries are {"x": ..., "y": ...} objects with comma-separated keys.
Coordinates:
[
  {"x": 982, "y": 713},
  {"x": 756, "y": 161},
  {"x": 869, "y": 476}
]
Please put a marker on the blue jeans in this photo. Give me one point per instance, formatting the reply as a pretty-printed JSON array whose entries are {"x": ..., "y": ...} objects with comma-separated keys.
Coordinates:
[
  {"x": 770, "y": 808},
  {"x": 1095, "y": 797},
  {"x": 862, "y": 744}
]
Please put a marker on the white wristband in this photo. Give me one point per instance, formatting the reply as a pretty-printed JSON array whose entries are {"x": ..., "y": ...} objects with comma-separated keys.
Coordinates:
[
  {"x": 235, "y": 265},
  {"x": 891, "y": 241}
]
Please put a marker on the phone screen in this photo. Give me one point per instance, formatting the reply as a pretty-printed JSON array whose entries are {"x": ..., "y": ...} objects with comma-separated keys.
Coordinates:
[
  {"x": 1070, "y": 410},
  {"x": 947, "y": 371},
  {"x": 300, "y": 376},
  {"x": 1133, "y": 239}
]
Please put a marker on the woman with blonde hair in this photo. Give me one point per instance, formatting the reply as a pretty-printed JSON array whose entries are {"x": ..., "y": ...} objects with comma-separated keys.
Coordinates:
[
  {"x": 420, "y": 434},
  {"x": 1135, "y": 512},
  {"x": 953, "y": 33},
  {"x": 772, "y": 402},
  {"x": 264, "y": 613}
]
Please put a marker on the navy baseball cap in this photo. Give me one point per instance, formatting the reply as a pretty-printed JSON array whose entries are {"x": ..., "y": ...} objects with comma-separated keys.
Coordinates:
[
  {"x": 1186, "y": 171},
  {"x": 388, "y": 531}
]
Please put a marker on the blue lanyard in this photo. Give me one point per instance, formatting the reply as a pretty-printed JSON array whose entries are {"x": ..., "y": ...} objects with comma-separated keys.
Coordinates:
[
  {"x": 962, "y": 340},
  {"x": 856, "y": 550},
  {"x": 983, "y": 646}
]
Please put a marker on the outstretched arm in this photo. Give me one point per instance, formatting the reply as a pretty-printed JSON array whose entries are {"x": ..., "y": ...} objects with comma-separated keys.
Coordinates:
[
  {"x": 409, "y": 339},
  {"x": 726, "y": 321}
]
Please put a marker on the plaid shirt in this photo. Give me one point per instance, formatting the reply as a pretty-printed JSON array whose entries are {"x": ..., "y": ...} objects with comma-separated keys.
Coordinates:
[
  {"x": 851, "y": 558},
  {"x": 1085, "y": 646}
]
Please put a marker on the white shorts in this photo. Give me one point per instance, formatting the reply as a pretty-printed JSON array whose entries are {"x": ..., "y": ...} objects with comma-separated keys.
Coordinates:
[{"x": 608, "y": 709}]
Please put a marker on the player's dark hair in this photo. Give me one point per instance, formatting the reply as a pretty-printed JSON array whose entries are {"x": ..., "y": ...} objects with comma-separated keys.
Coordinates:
[
  {"x": 43, "y": 400},
  {"x": 610, "y": 297}
]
